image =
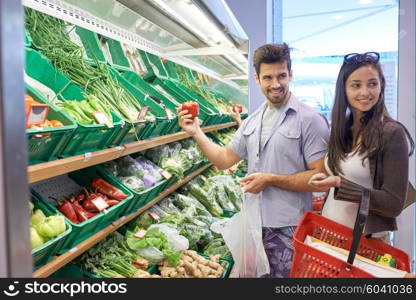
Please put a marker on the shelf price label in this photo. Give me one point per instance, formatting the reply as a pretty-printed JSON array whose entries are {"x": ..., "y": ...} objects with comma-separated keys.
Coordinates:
[
  {"x": 143, "y": 112},
  {"x": 87, "y": 156},
  {"x": 102, "y": 118},
  {"x": 154, "y": 216},
  {"x": 169, "y": 115},
  {"x": 100, "y": 203},
  {"x": 166, "y": 174},
  {"x": 140, "y": 233}
]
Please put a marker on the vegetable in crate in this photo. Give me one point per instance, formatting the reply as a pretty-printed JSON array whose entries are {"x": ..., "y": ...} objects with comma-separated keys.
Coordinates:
[
  {"x": 153, "y": 239},
  {"x": 52, "y": 226},
  {"x": 112, "y": 167},
  {"x": 149, "y": 168},
  {"x": 192, "y": 265},
  {"x": 111, "y": 258},
  {"x": 43, "y": 228},
  {"x": 67, "y": 209},
  {"x": 107, "y": 189},
  {"x": 50, "y": 36},
  {"x": 218, "y": 191},
  {"x": 133, "y": 183},
  {"x": 82, "y": 214},
  {"x": 203, "y": 197},
  {"x": 144, "y": 220},
  {"x": 192, "y": 107},
  {"x": 217, "y": 247},
  {"x": 35, "y": 239},
  {"x": 127, "y": 166}
]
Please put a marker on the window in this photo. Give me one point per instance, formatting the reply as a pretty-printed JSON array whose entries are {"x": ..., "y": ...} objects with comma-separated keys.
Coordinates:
[{"x": 321, "y": 32}]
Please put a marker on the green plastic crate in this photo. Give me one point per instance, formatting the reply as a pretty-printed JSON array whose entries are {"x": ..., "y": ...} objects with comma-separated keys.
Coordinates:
[
  {"x": 139, "y": 85},
  {"x": 61, "y": 187},
  {"x": 150, "y": 74},
  {"x": 158, "y": 65},
  {"x": 44, "y": 253},
  {"x": 50, "y": 145},
  {"x": 86, "y": 138},
  {"x": 162, "y": 125},
  {"x": 118, "y": 57},
  {"x": 91, "y": 44},
  {"x": 171, "y": 70}
]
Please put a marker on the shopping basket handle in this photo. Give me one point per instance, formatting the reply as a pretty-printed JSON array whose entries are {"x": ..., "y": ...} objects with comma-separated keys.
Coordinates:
[{"x": 359, "y": 224}]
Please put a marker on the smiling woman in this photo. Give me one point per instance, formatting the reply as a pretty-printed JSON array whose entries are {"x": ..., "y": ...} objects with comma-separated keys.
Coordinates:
[{"x": 367, "y": 150}]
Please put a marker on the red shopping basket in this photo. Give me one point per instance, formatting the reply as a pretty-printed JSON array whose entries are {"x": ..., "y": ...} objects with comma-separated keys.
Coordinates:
[{"x": 311, "y": 262}]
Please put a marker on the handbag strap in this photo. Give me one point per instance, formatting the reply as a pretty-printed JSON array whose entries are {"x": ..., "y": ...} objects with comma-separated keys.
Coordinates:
[{"x": 359, "y": 224}]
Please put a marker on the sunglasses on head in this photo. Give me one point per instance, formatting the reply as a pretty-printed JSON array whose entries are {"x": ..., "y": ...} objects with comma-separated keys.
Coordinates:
[{"x": 353, "y": 58}]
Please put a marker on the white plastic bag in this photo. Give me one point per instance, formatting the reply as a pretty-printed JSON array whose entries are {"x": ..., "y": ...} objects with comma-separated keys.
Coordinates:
[
  {"x": 243, "y": 236},
  {"x": 176, "y": 241},
  {"x": 152, "y": 254}
]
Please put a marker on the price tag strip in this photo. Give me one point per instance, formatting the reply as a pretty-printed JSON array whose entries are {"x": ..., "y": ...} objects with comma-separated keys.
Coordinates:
[
  {"x": 154, "y": 216},
  {"x": 36, "y": 114},
  {"x": 166, "y": 174},
  {"x": 102, "y": 118},
  {"x": 168, "y": 114},
  {"x": 143, "y": 112},
  {"x": 87, "y": 156},
  {"x": 140, "y": 234}
]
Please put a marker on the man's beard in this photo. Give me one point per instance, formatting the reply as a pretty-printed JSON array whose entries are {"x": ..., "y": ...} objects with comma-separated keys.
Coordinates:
[{"x": 278, "y": 99}]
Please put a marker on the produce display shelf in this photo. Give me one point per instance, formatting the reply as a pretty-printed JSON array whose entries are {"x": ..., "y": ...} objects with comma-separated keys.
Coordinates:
[
  {"x": 60, "y": 261},
  {"x": 62, "y": 166}
]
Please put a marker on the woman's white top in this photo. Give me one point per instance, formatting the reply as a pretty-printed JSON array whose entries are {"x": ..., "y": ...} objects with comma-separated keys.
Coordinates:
[{"x": 345, "y": 212}]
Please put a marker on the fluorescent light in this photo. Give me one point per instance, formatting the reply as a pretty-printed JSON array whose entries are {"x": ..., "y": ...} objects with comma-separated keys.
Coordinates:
[
  {"x": 337, "y": 17},
  {"x": 173, "y": 13}
]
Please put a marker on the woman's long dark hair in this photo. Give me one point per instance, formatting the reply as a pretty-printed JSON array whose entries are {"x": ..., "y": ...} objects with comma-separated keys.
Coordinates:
[{"x": 372, "y": 121}]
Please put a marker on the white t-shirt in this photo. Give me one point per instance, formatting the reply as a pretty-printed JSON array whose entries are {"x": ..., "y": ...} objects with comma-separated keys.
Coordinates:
[
  {"x": 345, "y": 212},
  {"x": 270, "y": 116}
]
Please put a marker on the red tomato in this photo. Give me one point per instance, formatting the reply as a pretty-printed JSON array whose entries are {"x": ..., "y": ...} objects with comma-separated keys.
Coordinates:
[{"x": 192, "y": 107}]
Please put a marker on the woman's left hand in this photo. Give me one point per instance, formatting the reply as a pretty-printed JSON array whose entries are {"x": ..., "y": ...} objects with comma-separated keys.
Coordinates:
[{"x": 324, "y": 182}]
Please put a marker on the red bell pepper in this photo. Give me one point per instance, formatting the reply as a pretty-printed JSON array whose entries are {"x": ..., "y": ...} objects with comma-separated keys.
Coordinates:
[
  {"x": 80, "y": 197},
  {"x": 107, "y": 189},
  {"x": 192, "y": 107},
  {"x": 68, "y": 211},
  {"x": 82, "y": 214},
  {"x": 112, "y": 202}
]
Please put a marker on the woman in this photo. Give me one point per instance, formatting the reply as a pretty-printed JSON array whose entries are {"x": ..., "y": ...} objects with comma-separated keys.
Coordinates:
[{"x": 367, "y": 149}]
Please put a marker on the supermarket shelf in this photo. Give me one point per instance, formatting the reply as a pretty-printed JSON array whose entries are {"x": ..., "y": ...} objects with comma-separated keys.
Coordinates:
[
  {"x": 63, "y": 166},
  {"x": 67, "y": 257}
]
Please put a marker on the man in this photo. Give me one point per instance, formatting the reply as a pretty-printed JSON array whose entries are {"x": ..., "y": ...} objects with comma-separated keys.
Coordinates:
[{"x": 285, "y": 142}]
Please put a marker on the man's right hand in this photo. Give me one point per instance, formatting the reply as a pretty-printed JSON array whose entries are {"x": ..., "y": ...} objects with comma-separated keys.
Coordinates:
[{"x": 190, "y": 126}]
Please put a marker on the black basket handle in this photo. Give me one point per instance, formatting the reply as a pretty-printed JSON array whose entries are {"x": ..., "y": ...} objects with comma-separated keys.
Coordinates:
[{"x": 359, "y": 224}]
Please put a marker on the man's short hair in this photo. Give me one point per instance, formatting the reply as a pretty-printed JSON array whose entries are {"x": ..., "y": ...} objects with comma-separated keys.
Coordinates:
[{"x": 272, "y": 53}]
